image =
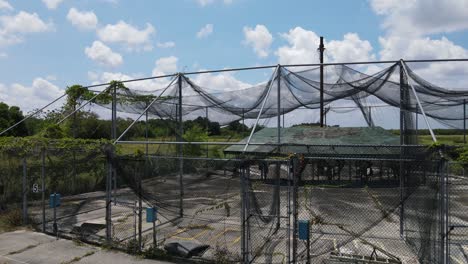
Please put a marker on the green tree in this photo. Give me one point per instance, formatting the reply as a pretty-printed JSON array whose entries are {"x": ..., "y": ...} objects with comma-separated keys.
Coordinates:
[
  {"x": 194, "y": 134},
  {"x": 10, "y": 115}
]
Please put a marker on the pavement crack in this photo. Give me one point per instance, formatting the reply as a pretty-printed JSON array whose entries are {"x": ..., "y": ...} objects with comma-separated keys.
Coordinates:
[
  {"x": 77, "y": 259},
  {"x": 22, "y": 250}
]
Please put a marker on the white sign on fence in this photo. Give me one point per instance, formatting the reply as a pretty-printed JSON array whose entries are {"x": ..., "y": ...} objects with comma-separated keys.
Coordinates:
[{"x": 35, "y": 188}]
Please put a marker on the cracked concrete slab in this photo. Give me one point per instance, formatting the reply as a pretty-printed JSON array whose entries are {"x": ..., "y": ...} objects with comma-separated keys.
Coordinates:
[{"x": 27, "y": 247}]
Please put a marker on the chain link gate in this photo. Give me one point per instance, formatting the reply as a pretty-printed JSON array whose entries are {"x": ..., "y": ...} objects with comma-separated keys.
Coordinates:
[{"x": 266, "y": 210}]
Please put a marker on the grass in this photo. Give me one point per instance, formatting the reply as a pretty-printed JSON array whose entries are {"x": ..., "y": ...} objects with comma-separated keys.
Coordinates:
[
  {"x": 166, "y": 149},
  {"x": 453, "y": 140},
  {"x": 10, "y": 220}
]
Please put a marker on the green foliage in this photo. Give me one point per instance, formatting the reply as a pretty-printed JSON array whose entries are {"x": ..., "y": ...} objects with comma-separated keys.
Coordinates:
[
  {"x": 463, "y": 156},
  {"x": 53, "y": 131},
  {"x": 194, "y": 134},
  {"x": 10, "y": 115},
  {"x": 17, "y": 146},
  {"x": 75, "y": 94}
]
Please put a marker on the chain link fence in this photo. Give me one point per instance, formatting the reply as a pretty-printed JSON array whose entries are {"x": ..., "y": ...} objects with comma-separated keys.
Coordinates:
[{"x": 248, "y": 210}]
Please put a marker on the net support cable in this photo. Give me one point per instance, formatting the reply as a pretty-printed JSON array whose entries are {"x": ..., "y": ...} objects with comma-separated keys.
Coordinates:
[
  {"x": 146, "y": 109},
  {"x": 31, "y": 115},
  {"x": 426, "y": 120},
  {"x": 261, "y": 109}
]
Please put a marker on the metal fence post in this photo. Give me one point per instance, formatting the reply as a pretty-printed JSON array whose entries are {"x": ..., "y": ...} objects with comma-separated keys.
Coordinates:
[
  {"x": 295, "y": 209},
  {"x": 180, "y": 147},
  {"x": 109, "y": 198},
  {"x": 140, "y": 210},
  {"x": 243, "y": 200},
  {"x": 25, "y": 192},
  {"x": 290, "y": 166},
  {"x": 43, "y": 189},
  {"x": 443, "y": 255}
]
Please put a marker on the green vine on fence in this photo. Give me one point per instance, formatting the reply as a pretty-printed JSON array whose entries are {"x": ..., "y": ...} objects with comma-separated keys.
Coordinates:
[{"x": 25, "y": 146}]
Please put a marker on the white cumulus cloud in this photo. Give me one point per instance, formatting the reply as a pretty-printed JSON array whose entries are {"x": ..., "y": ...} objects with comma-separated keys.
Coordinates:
[
  {"x": 205, "y": 31},
  {"x": 132, "y": 37},
  {"x": 102, "y": 54},
  {"x": 4, "y": 5},
  {"x": 259, "y": 38},
  {"x": 85, "y": 20},
  {"x": 421, "y": 17},
  {"x": 165, "y": 65},
  {"x": 14, "y": 27},
  {"x": 41, "y": 92},
  {"x": 52, "y": 4},
  {"x": 302, "y": 48}
]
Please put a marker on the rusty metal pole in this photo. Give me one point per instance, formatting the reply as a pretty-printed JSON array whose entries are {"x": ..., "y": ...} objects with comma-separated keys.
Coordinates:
[{"x": 321, "y": 50}]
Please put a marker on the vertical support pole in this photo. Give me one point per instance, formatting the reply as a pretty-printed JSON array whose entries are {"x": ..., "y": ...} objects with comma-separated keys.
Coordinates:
[
  {"x": 278, "y": 164},
  {"x": 207, "y": 128},
  {"x": 308, "y": 249},
  {"x": 370, "y": 116},
  {"x": 290, "y": 172},
  {"x": 55, "y": 226},
  {"x": 180, "y": 147},
  {"x": 108, "y": 197},
  {"x": 295, "y": 211},
  {"x": 140, "y": 209},
  {"x": 321, "y": 50},
  {"x": 443, "y": 212},
  {"x": 146, "y": 130},
  {"x": 135, "y": 212},
  {"x": 114, "y": 111},
  {"x": 402, "y": 142},
  {"x": 25, "y": 192},
  {"x": 464, "y": 121},
  {"x": 243, "y": 218},
  {"x": 113, "y": 179},
  {"x": 417, "y": 125},
  {"x": 73, "y": 151},
  {"x": 43, "y": 189}
]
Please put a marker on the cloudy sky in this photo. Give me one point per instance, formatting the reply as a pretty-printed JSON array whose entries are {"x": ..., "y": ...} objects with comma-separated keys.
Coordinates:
[{"x": 46, "y": 45}]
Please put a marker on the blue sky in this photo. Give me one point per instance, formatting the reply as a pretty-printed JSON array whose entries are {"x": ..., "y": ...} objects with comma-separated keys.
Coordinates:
[{"x": 46, "y": 45}]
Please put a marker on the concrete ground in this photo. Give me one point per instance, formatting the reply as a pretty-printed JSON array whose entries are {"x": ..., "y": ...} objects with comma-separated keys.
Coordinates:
[{"x": 34, "y": 248}]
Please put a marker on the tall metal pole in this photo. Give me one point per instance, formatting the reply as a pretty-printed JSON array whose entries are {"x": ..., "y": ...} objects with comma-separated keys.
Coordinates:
[
  {"x": 403, "y": 93},
  {"x": 278, "y": 164},
  {"x": 321, "y": 49},
  {"x": 278, "y": 111},
  {"x": 113, "y": 179},
  {"x": 180, "y": 147},
  {"x": 207, "y": 128},
  {"x": 464, "y": 121},
  {"x": 140, "y": 208},
  {"x": 146, "y": 129},
  {"x": 25, "y": 193},
  {"x": 109, "y": 197},
  {"x": 73, "y": 151},
  {"x": 114, "y": 111},
  {"x": 43, "y": 190},
  {"x": 243, "y": 215}
]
